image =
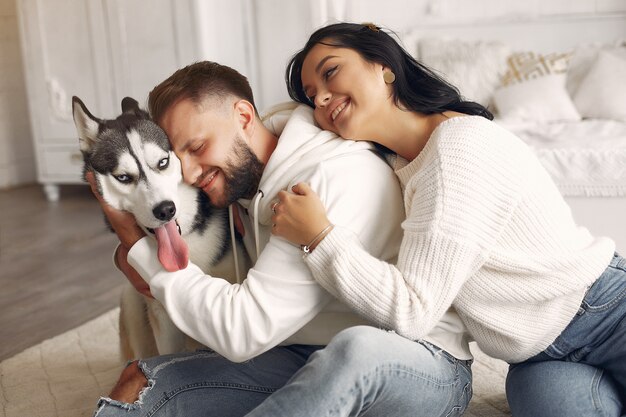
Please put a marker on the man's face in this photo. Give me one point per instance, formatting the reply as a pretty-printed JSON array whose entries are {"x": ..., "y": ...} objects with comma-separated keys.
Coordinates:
[{"x": 209, "y": 141}]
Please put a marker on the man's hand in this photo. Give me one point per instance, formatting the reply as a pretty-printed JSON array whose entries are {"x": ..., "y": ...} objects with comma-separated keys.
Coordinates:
[
  {"x": 122, "y": 222},
  {"x": 127, "y": 230}
]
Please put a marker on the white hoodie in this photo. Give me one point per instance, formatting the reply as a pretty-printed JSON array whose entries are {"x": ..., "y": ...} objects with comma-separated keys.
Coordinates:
[{"x": 279, "y": 302}]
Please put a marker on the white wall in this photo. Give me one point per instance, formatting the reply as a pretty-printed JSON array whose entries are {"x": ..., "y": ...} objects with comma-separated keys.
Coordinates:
[
  {"x": 283, "y": 26},
  {"x": 17, "y": 164},
  {"x": 257, "y": 37}
]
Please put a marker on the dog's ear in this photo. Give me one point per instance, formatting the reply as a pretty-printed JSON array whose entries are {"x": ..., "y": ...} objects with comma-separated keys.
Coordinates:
[
  {"x": 87, "y": 125},
  {"x": 130, "y": 105}
]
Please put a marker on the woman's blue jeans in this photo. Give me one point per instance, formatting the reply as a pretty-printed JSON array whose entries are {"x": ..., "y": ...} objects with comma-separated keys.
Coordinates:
[
  {"x": 583, "y": 373},
  {"x": 363, "y": 370}
]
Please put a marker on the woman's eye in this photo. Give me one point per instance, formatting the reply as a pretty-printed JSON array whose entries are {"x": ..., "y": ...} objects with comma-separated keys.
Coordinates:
[
  {"x": 329, "y": 72},
  {"x": 123, "y": 178},
  {"x": 164, "y": 163}
]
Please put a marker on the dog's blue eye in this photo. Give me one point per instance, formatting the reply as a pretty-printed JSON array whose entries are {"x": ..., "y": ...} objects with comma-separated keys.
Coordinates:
[
  {"x": 164, "y": 163},
  {"x": 123, "y": 178}
]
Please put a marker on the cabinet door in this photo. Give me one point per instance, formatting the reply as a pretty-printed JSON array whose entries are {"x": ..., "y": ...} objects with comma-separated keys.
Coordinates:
[
  {"x": 149, "y": 41},
  {"x": 65, "y": 54}
]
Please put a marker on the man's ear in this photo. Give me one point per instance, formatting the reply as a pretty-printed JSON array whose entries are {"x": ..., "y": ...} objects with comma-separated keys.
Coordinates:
[{"x": 246, "y": 116}]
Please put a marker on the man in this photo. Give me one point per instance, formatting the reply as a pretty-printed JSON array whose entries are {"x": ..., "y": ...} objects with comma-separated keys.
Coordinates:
[{"x": 278, "y": 316}]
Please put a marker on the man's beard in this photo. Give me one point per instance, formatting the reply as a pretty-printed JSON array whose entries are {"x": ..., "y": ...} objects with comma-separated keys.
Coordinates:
[{"x": 242, "y": 174}]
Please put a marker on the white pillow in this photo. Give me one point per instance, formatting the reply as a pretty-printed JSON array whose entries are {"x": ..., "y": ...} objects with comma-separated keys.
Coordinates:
[
  {"x": 533, "y": 88},
  {"x": 474, "y": 68},
  {"x": 541, "y": 99},
  {"x": 602, "y": 92},
  {"x": 585, "y": 55}
]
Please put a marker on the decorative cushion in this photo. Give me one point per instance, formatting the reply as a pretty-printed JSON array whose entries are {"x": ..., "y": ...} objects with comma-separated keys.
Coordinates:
[
  {"x": 524, "y": 66},
  {"x": 602, "y": 92},
  {"x": 474, "y": 68},
  {"x": 585, "y": 55},
  {"x": 533, "y": 88}
]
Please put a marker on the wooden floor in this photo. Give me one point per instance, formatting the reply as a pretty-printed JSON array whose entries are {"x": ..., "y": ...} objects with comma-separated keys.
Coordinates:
[{"x": 55, "y": 265}]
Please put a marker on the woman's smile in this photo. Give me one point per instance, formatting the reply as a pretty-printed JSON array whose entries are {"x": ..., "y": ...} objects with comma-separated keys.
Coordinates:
[{"x": 338, "y": 109}]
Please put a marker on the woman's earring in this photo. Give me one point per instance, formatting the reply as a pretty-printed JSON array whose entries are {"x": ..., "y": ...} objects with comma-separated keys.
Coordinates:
[{"x": 389, "y": 77}]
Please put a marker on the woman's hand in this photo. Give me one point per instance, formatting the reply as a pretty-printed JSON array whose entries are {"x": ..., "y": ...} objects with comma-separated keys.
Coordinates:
[
  {"x": 299, "y": 217},
  {"x": 122, "y": 222}
]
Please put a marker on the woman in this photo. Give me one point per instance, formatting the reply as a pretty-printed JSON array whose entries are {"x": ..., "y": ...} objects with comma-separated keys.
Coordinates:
[{"x": 487, "y": 233}]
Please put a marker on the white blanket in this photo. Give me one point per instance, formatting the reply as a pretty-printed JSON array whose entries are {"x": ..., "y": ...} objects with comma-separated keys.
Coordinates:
[
  {"x": 584, "y": 158},
  {"x": 64, "y": 376}
]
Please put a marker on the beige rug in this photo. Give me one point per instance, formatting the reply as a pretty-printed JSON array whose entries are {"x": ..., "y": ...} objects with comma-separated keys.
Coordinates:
[{"x": 64, "y": 376}]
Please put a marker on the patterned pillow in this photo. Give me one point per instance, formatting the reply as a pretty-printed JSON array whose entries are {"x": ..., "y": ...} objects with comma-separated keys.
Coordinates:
[
  {"x": 524, "y": 66},
  {"x": 533, "y": 88}
]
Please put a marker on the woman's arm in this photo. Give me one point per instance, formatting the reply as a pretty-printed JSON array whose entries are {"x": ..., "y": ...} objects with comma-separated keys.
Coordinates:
[
  {"x": 409, "y": 297},
  {"x": 300, "y": 217}
]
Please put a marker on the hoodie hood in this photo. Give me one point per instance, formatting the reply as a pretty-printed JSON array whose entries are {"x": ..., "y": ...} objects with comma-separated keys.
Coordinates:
[{"x": 302, "y": 145}]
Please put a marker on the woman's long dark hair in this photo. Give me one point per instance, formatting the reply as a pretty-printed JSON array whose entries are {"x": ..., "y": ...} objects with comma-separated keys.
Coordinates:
[{"x": 416, "y": 87}]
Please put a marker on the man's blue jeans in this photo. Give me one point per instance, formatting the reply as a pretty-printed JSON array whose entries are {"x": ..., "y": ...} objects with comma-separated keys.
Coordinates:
[
  {"x": 204, "y": 383},
  {"x": 371, "y": 372},
  {"x": 362, "y": 370},
  {"x": 583, "y": 373}
]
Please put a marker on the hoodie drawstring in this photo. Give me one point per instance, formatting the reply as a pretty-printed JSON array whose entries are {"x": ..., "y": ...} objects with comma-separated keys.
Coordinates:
[
  {"x": 231, "y": 221},
  {"x": 256, "y": 223},
  {"x": 233, "y": 242}
]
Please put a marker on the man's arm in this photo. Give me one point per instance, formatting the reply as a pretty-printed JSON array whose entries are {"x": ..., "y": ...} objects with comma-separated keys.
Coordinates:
[
  {"x": 279, "y": 295},
  {"x": 239, "y": 321},
  {"x": 121, "y": 262}
]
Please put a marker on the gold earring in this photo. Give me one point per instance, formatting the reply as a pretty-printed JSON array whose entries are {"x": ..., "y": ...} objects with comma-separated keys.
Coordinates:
[{"x": 389, "y": 77}]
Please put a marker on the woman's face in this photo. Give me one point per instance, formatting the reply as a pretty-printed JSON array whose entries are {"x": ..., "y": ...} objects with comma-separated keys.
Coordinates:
[{"x": 348, "y": 92}]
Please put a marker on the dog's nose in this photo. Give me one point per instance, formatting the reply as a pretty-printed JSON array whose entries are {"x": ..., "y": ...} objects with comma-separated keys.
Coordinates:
[{"x": 165, "y": 210}]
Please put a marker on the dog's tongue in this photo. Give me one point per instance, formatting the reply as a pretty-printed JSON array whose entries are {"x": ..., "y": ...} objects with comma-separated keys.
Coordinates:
[{"x": 173, "y": 251}]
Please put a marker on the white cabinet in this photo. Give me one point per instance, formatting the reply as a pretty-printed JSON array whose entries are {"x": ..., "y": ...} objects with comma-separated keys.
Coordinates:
[{"x": 101, "y": 51}]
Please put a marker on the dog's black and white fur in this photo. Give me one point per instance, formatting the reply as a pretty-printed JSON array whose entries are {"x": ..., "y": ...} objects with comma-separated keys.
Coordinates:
[{"x": 137, "y": 171}]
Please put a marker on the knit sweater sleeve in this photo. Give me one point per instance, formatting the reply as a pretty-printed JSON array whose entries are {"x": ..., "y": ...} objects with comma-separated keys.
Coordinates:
[
  {"x": 454, "y": 215},
  {"x": 410, "y": 300}
]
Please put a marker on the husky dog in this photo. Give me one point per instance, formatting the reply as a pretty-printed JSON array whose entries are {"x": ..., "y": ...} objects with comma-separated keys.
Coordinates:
[{"x": 137, "y": 171}]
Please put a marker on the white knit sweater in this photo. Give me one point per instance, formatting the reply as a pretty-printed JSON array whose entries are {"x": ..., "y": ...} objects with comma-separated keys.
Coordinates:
[{"x": 488, "y": 232}]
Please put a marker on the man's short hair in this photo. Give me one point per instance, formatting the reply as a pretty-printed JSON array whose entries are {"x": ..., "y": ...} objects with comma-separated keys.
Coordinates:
[{"x": 197, "y": 82}]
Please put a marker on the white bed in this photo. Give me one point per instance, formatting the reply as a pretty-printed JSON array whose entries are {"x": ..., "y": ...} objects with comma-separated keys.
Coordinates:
[
  {"x": 587, "y": 160},
  {"x": 586, "y": 156}
]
